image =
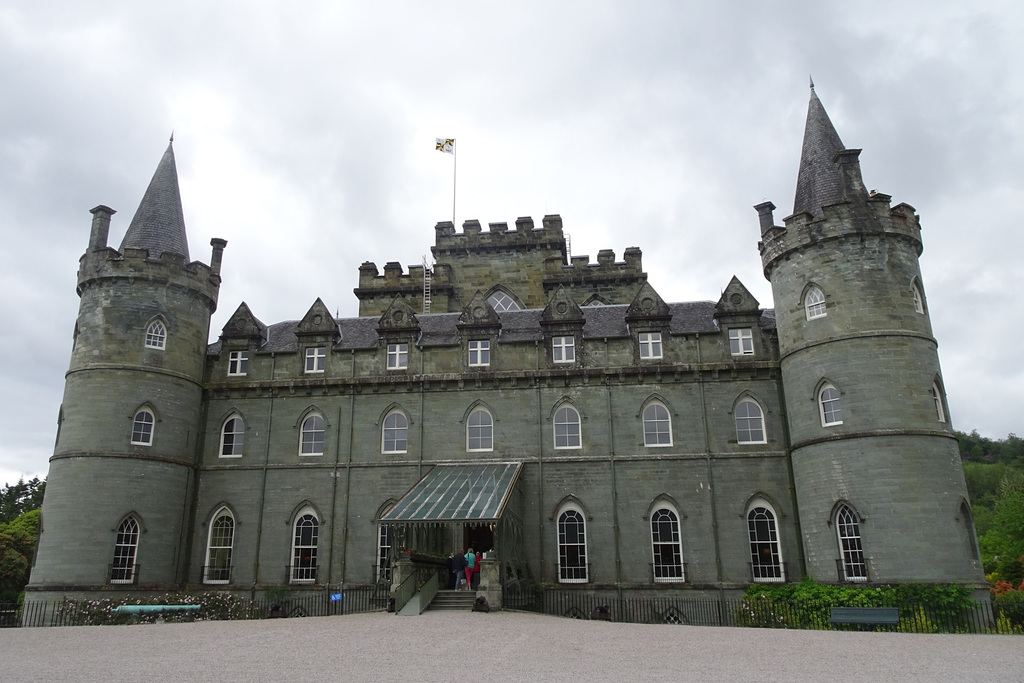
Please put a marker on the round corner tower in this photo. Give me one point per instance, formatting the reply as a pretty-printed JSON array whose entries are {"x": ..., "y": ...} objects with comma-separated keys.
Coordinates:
[
  {"x": 121, "y": 475},
  {"x": 876, "y": 467}
]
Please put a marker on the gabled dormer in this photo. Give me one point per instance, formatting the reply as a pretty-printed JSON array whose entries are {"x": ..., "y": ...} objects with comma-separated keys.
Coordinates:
[
  {"x": 562, "y": 322},
  {"x": 479, "y": 327},
  {"x": 737, "y": 303},
  {"x": 318, "y": 325},
  {"x": 243, "y": 325}
]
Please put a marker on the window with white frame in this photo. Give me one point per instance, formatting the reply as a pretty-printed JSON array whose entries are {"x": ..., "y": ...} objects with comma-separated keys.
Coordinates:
[
  {"x": 142, "y": 428},
  {"x": 918, "y": 298},
  {"x": 814, "y": 303},
  {"x": 218, "y": 548},
  {"x": 572, "y": 546},
  {"x": 312, "y": 442},
  {"x": 567, "y": 428},
  {"x": 398, "y": 356},
  {"x": 304, "y": 548},
  {"x": 384, "y": 553},
  {"x": 563, "y": 349},
  {"x": 848, "y": 532},
  {"x": 232, "y": 437},
  {"x": 156, "y": 335},
  {"x": 667, "y": 546},
  {"x": 657, "y": 425},
  {"x": 316, "y": 359},
  {"x": 126, "y": 546},
  {"x": 238, "y": 363},
  {"x": 480, "y": 431},
  {"x": 936, "y": 393},
  {"x": 749, "y": 422},
  {"x": 500, "y": 301},
  {"x": 479, "y": 352},
  {"x": 395, "y": 433},
  {"x": 831, "y": 408},
  {"x": 741, "y": 341},
  {"x": 765, "y": 554},
  {"x": 650, "y": 344}
]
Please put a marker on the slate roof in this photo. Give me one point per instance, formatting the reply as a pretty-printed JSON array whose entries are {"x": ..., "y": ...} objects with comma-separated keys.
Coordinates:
[
  {"x": 439, "y": 329},
  {"x": 818, "y": 181},
  {"x": 159, "y": 224}
]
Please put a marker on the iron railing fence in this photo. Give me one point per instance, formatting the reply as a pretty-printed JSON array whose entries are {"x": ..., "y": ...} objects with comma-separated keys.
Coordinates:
[
  {"x": 354, "y": 600},
  {"x": 757, "y": 612}
]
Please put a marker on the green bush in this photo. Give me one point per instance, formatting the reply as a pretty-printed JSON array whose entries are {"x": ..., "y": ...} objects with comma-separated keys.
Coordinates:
[{"x": 1010, "y": 605}]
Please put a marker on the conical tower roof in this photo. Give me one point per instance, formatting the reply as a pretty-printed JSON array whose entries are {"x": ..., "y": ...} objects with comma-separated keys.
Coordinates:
[
  {"x": 159, "y": 224},
  {"x": 818, "y": 181}
]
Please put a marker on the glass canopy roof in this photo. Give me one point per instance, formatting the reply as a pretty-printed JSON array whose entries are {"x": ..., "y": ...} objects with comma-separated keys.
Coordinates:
[{"x": 458, "y": 493}]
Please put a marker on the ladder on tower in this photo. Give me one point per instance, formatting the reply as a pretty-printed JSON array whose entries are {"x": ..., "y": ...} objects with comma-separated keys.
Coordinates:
[{"x": 427, "y": 274}]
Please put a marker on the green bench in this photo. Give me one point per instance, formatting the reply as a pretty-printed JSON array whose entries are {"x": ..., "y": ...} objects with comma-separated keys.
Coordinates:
[{"x": 865, "y": 616}]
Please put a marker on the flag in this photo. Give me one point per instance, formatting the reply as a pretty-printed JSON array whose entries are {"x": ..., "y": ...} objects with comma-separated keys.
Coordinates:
[{"x": 446, "y": 145}]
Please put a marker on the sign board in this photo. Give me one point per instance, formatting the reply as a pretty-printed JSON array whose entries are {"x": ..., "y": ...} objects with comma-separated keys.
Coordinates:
[{"x": 335, "y": 597}]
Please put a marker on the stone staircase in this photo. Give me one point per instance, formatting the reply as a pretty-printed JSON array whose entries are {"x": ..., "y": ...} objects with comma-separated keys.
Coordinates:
[{"x": 453, "y": 600}]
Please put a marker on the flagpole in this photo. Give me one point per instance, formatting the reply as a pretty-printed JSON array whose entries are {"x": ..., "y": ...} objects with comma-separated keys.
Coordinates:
[{"x": 455, "y": 169}]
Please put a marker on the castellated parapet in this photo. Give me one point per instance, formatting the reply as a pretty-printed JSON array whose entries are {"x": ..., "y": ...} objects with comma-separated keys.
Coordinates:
[{"x": 535, "y": 261}]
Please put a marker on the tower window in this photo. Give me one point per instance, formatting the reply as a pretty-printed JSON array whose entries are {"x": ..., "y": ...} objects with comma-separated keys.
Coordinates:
[
  {"x": 500, "y": 301},
  {"x": 937, "y": 400},
  {"x": 479, "y": 352},
  {"x": 142, "y": 428},
  {"x": 741, "y": 342},
  {"x": 316, "y": 359},
  {"x": 765, "y": 555},
  {"x": 398, "y": 356},
  {"x": 918, "y": 298},
  {"x": 156, "y": 335},
  {"x": 814, "y": 303},
  {"x": 650, "y": 345},
  {"x": 125, "y": 547},
  {"x": 238, "y": 363},
  {"x": 831, "y": 409},
  {"x": 848, "y": 531},
  {"x": 563, "y": 349}
]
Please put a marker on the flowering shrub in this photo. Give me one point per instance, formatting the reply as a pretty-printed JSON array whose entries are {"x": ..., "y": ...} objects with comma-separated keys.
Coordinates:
[{"x": 213, "y": 606}]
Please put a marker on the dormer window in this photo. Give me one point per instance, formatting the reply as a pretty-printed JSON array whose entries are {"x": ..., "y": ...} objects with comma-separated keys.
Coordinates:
[
  {"x": 238, "y": 363},
  {"x": 741, "y": 342},
  {"x": 479, "y": 352},
  {"x": 563, "y": 349},
  {"x": 316, "y": 359},
  {"x": 156, "y": 336},
  {"x": 398, "y": 356},
  {"x": 650, "y": 345}
]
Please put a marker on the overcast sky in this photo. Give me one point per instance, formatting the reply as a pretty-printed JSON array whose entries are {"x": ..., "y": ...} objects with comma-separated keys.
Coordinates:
[{"x": 304, "y": 135}]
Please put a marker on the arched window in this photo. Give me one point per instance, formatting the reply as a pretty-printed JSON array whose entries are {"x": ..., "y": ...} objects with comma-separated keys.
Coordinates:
[
  {"x": 666, "y": 545},
  {"x": 395, "y": 434},
  {"x": 232, "y": 437},
  {"x": 918, "y": 297},
  {"x": 142, "y": 428},
  {"x": 765, "y": 554},
  {"x": 500, "y": 301},
  {"x": 657, "y": 425},
  {"x": 218, "y": 548},
  {"x": 848, "y": 531},
  {"x": 480, "y": 431},
  {"x": 937, "y": 401},
  {"x": 814, "y": 303},
  {"x": 126, "y": 545},
  {"x": 304, "y": 548},
  {"x": 567, "y": 428},
  {"x": 572, "y": 546},
  {"x": 830, "y": 409},
  {"x": 749, "y": 422},
  {"x": 312, "y": 436},
  {"x": 156, "y": 335}
]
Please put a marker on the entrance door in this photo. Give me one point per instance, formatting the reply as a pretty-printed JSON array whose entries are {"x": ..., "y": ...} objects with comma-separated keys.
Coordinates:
[{"x": 479, "y": 538}]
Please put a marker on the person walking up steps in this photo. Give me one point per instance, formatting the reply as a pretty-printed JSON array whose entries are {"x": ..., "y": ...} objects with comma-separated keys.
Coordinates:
[{"x": 470, "y": 567}]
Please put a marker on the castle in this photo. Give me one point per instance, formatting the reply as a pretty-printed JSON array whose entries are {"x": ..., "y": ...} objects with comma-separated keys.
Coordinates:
[{"x": 554, "y": 412}]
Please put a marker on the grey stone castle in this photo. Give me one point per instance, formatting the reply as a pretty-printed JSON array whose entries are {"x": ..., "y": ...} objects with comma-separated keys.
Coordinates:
[{"x": 556, "y": 413}]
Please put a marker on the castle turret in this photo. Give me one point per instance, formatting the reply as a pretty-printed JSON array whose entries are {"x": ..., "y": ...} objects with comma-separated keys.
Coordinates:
[
  {"x": 122, "y": 469},
  {"x": 875, "y": 462}
]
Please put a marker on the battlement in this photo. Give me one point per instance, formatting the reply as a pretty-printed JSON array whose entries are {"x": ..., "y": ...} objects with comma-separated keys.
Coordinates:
[
  {"x": 498, "y": 237},
  {"x": 170, "y": 269},
  {"x": 851, "y": 217}
]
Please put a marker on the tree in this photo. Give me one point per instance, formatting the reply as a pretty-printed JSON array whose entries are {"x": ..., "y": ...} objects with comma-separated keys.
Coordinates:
[
  {"x": 19, "y": 498},
  {"x": 17, "y": 545}
]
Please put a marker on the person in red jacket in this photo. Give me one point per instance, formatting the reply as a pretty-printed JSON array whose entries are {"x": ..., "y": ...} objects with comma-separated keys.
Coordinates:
[{"x": 470, "y": 568}]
